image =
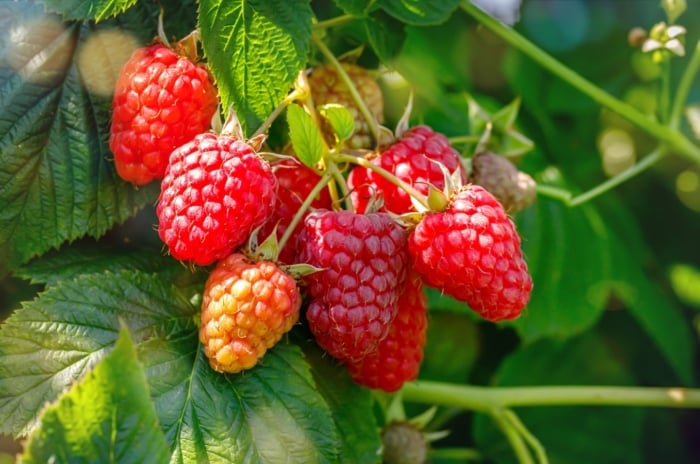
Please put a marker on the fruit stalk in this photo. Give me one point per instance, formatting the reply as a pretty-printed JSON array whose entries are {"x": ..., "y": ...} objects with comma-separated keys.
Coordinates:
[
  {"x": 535, "y": 445},
  {"x": 303, "y": 208},
  {"x": 385, "y": 174},
  {"x": 486, "y": 399},
  {"x": 516, "y": 440},
  {"x": 570, "y": 200},
  {"x": 333, "y": 22}
]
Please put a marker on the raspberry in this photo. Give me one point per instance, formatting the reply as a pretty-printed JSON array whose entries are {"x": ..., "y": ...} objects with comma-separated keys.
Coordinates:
[
  {"x": 161, "y": 101},
  {"x": 471, "y": 251},
  {"x": 403, "y": 443},
  {"x": 414, "y": 159},
  {"x": 327, "y": 86},
  {"x": 295, "y": 184},
  {"x": 514, "y": 189},
  {"x": 216, "y": 190},
  {"x": 246, "y": 309},
  {"x": 398, "y": 357},
  {"x": 354, "y": 298}
]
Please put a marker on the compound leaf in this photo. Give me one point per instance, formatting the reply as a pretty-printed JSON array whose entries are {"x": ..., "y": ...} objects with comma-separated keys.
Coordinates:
[
  {"x": 57, "y": 180},
  {"x": 420, "y": 12},
  {"x": 256, "y": 50},
  {"x": 339, "y": 118},
  {"x": 271, "y": 413},
  {"x": 351, "y": 407},
  {"x": 94, "y": 9},
  {"x": 56, "y": 339},
  {"x": 357, "y": 8},
  {"x": 305, "y": 135},
  {"x": 565, "y": 301},
  {"x": 386, "y": 35},
  {"x": 106, "y": 417}
]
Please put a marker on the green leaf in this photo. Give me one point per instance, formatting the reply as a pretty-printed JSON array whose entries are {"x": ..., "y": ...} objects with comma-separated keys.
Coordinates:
[
  {"x": 72, "y": 261},
  {"x": 354, "y": 7},
  {"x": 442, "y": 362},
  {"x": 655, "y": 310},
  {"x": 271, "y": 413},
  {"x": 351, "y": 408},
  {"x": 386, "y": 35},
  {"x": 58, "y": 180},
  {"x": 56, "y": 339},
  {"x": 94, "y": 9},
  {"x": 106, "y": 417},
  {"x": 571, "y": 281},
  {"x": 505, "y": 117},
  {"x": 569, "y": 434},
  {"x": 420, "y": 12},
  {"x": 647, "y": 298},
  {"x": 339, "y": 118},
  {"x": 306, "y": 137},
  {"x": 256, "y": 50}
]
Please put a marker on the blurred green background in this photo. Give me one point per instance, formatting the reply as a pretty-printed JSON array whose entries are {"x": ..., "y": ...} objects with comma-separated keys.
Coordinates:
[{"x": 617, "y": 281}]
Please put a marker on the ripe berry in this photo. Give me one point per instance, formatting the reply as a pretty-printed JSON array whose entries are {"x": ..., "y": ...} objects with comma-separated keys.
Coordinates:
[
  {"x": 327, "y": 86},
  {"x": 397, "y": 358},
  {"x": 414, "y": 159},
  {"x": 216, "y": 190},
  {"x": 471, "y": 251},
  {"x": 514, "y": 189},
  {"x": 161, "y": 101},
  {"x": 246, "y": 309},
  {"x": 354, "y": 298},
  {"x": 295, "y": 184}
]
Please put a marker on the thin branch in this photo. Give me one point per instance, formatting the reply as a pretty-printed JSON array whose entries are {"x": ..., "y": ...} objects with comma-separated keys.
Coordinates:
[{"x": 665, "y": 134}]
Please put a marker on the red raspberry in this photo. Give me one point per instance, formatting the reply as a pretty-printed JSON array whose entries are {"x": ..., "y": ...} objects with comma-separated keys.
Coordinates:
[
  {"x": 296, "y": 182},
  {"x": 161, "y": 101},
  {"x": 398, "y": 357},
  {"x": 215, "y": 192},
  {"x": 471, "y": 251},
  {"x": 246, "y": 309},
  {"x": 413, "y": 159},
  {"x": 327, "y": 86},
  {"x": 353, "y": 299}
]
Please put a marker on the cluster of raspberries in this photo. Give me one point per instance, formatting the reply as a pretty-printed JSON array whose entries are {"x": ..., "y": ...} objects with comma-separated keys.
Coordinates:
[{"x": 365, "y": 304}]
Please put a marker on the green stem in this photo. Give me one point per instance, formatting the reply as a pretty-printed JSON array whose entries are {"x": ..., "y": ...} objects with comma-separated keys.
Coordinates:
[
  {"x": 565, "y": 196},
  {"x": 514, "y": 437},
  {"x": 385, "y": 174},
  {"x": 530, "y": 439},
  {"x": 275, "y": 113},
  {"x": 455, "y": 454},
  {"x": 666, "y": 134},
  {"x": 359, "y": 102},
  {"x": 303, "y": 208},
  {"x": 665, "y": 92},
  {"x": 485, "y": 399},
  {"x": 340, "y": 180},
  {"x": 464, "y": 139},
  {"x": 333, "y": 22},
  {"x": 684, "y": 86}
]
